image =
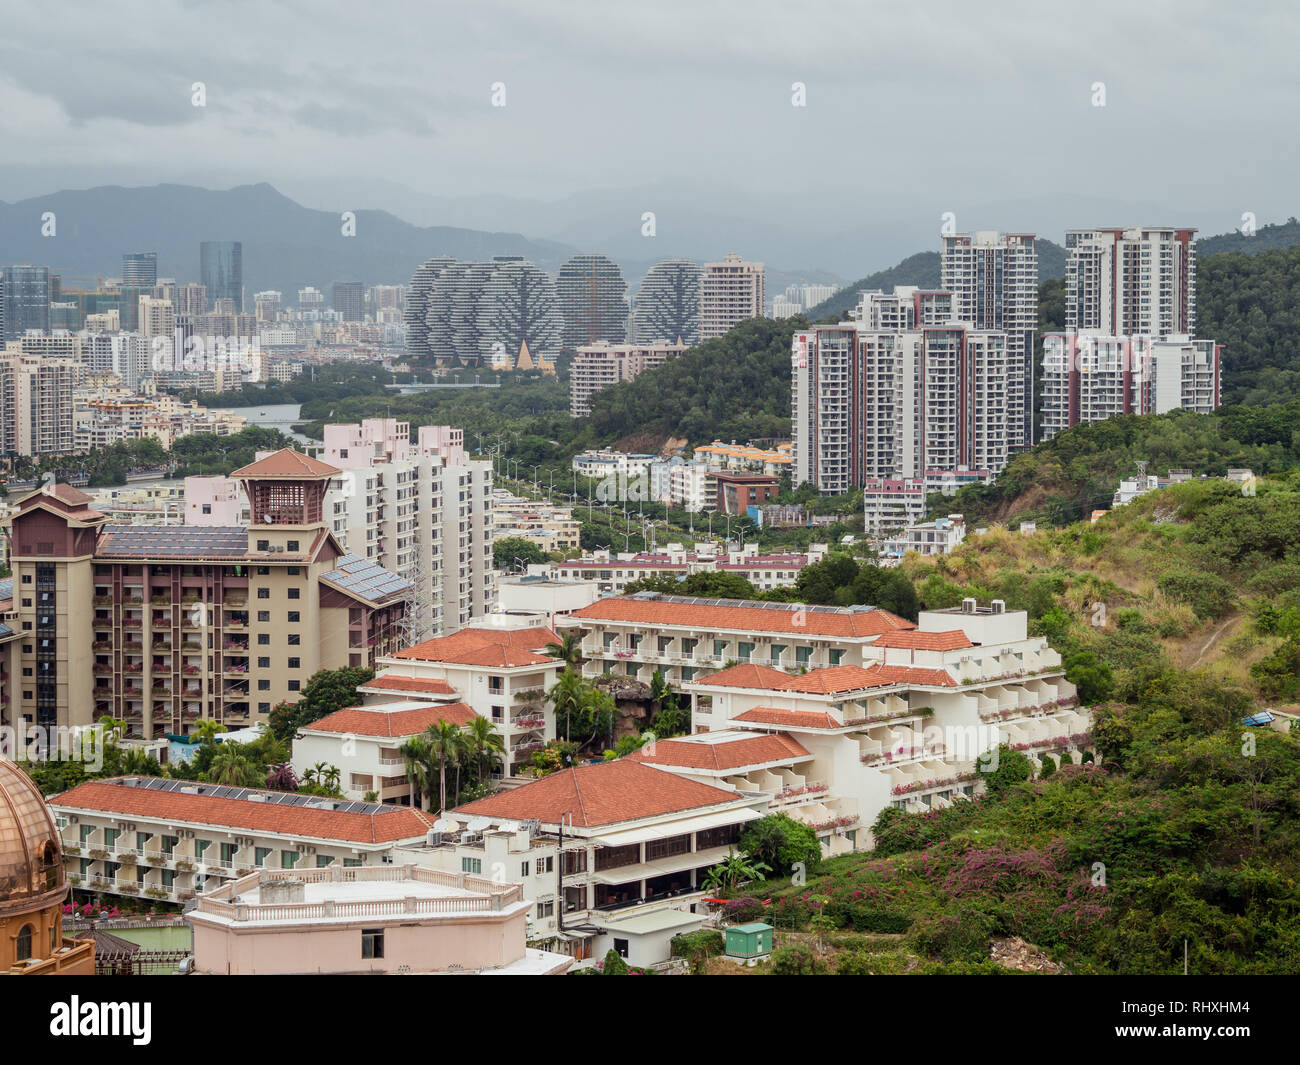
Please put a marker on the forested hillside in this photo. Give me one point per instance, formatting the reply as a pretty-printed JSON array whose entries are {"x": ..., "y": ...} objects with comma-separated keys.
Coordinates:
[
  {"x": 734, "y": 387},
  {"x": 1076, "y": 472},
  {"x": 1250, "y": 303}
]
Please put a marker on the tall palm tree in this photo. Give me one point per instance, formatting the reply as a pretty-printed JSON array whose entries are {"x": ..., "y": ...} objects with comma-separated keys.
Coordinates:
[
  {"x": 444, "y": 744},
  {"x": 486, "y": 744},
  {"x": 416, "y": 752},
  {"x": 567, "y": 695},
  {"x": 568, "y": 648}
]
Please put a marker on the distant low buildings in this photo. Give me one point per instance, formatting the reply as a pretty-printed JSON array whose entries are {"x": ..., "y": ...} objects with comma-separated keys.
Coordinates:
[{"x": 611, "y": 573}]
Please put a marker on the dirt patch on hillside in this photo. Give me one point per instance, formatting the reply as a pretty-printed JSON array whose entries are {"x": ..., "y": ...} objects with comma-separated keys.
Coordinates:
[{"x": 1014, "y": 953}]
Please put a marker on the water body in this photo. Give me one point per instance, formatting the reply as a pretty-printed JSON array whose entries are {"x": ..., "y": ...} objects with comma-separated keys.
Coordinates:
[{"x": 280, "y": 416}]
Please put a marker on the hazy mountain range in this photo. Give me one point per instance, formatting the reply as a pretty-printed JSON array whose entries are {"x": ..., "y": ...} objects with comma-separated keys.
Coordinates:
[{"x": 287, "y": 245}]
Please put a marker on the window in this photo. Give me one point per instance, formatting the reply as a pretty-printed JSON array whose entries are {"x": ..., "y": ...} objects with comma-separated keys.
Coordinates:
[
  {"x": 263, "y": 615},
  {"x": 200, "y": 845},
  {"x": 836, "y": 654},
  {"x": 207, "y": 508},
  {"x": 471, "y": 865},
  {"x": 24, "y": 943},
  {"x": 263, "y": 662},
  {"x": 292, "y": 545},
  {"x": 227, "y": 853},
  {"x": 545, "y": 865},
  {"x": 546, "y": 909},
  {"x": 263, "y": 639},
  {"x": 264, "y": 545},
  {"x": 110, "y": 837},
  {"x": 260, "y": 855},
  {"x": 323, "y": 861},
  {"x": 294, "y": 639},
  {"x": 264, "y": 593},
  {"x": 350, "y": 863},
  {"x": 295, "y": 593},
  {"x": 294, "y": 617},
  {"x": 264, "y": 685},
  {"x": 372, "y": 942},
  {"x": 288, "y": 859},
  {"x": 620, "y": 947},
  {"x": 295, "y": 663},
  {"x": 141, "y": 840},
  {"x": 292, "y": 571},
  {"x": 523, "y": 869},
  {"x": 498, "y": 713},
  {"x": 295, "y": 685},
  {"x": 263, "y": 708}
]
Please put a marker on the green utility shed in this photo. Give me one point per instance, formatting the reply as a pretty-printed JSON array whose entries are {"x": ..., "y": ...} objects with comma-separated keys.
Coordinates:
[{"x": 753, "y": 940}]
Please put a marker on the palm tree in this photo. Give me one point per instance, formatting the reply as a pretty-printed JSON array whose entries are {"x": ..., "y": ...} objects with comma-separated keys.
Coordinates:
[
  {"x": 567, "y": 695},
  {"x": 206, "y": 730},
  {"x": 232, "y": 767},
  {"x": 486, "y": 745},
  {"x": 735, "y": 869},
  {"x": 568, "y": 648},
  {"x": 444, "y": 743},
  {"x": 416, "y": 752}
]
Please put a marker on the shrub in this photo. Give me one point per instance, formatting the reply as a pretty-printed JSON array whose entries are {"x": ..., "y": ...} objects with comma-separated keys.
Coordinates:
[
  {"x": 744, "y": 909},
  {"x": 795, "y": 959},
  {"x": 1049, "y": 766},
  {"x": 613, "y": 965},
  {"x": 781, "y": 843},
  {"x": 1208, "y": 594},
  {"x": 853, "y": 963},
  {"x": 697, "y": 947}
]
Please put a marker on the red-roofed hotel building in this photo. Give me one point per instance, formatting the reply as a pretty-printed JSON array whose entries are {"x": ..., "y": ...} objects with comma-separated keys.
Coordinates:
[{"x": 904, "y": 727}]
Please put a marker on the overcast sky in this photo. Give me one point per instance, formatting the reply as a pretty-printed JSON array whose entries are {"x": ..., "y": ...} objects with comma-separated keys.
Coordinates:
[{"x": 913, "y": 109}]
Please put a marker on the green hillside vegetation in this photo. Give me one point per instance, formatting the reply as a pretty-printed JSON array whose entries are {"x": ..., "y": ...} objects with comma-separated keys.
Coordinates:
[
  {"x": 1250, "y": 303},
  {"x": 921, "y": 269},
  {"x": 1269, "y": 237},
  {"x": 1177, "y": 616},
  {"x": 733, "y": 387},
  {"x": 1076, "y": 472}
]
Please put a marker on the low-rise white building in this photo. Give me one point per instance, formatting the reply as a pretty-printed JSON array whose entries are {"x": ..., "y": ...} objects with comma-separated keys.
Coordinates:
[
  {"x": 612, "y": 855},
  {"x": 938, "y": 537}
]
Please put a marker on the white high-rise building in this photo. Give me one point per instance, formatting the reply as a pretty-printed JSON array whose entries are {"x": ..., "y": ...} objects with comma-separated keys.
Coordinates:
[
  {"x": 1088, "y": 377},
  {"x": 420, "y": 508},
  {"x": 882, "y": 404},
  {"x": 994, "y": 280},
  {"x": 730, "y": 292},
  {"x": 1131, "y": 282}
]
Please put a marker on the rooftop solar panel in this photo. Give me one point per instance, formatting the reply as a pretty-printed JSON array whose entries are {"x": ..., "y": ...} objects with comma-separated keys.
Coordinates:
[{"x": 281, "y": 798}]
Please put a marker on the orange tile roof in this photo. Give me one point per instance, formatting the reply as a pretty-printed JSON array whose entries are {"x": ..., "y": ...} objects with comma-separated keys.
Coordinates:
[
  {"x": 745, "y": 616},
  {"x": 393, "y": 682},
  {"x": 113, "y": 796},
  {"x": 914, "y": 639},
  {"x": 503, "y": 648},
  {"x": 607, "y": 793},
  {"x": 376, "y": 721},
  {"x": 772, "y": 715},
  {"x": 829, "y": 680},
  {"x": 729, "y": 754},
  {"x": 288, "y": 463}
]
